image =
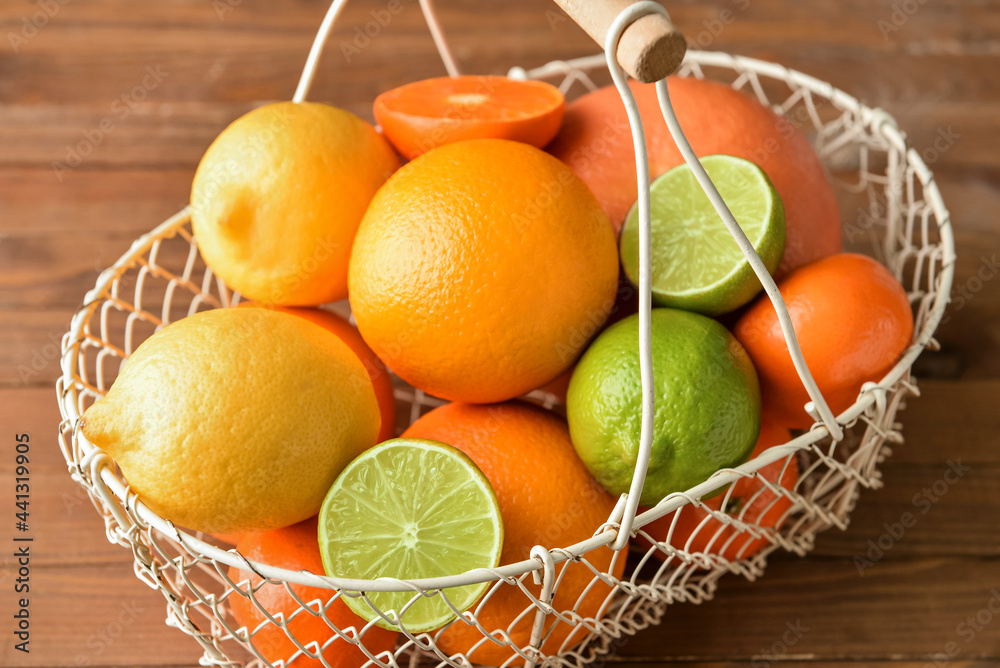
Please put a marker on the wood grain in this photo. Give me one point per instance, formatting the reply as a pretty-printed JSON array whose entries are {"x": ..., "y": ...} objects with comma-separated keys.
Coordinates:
[{"x": 935, "y": 69}]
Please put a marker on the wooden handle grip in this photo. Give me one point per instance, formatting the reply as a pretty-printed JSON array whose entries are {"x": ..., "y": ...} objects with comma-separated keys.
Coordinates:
[{"x": 650, "y": 49}]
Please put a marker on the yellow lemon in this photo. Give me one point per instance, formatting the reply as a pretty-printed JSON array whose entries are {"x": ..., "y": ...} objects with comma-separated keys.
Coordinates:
[
  {"x": 236, "y": 420},
  {"x": 279, "y": 195}
]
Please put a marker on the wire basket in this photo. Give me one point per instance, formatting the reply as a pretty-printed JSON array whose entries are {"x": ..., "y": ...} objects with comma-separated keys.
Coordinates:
[{"x": 889, "y": 201}]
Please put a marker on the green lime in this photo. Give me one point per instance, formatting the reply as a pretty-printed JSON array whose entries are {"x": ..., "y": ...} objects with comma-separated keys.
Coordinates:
[
  {"x": 410, "y": 509},
  {"x": 707, "y": 403},
  {"x": 696, "y": 264}
]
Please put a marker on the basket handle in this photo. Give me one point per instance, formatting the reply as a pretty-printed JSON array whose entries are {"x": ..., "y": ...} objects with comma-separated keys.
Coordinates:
[{"x": 650, "y": 49}]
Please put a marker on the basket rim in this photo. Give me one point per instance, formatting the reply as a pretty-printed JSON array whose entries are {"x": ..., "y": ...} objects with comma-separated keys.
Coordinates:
[{"x": 114, "y": 492}]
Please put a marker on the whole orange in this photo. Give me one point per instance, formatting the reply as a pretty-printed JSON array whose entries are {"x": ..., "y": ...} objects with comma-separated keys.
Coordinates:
[
  {"x": 482, "y": 269},
  {"x": 596, "y": 142},
  {"x": 381, "y": 380},
  {"x": 750, "y": 501},
  {"x": 296, "y": 548},
  {"x": 852, "y": 320},
  {"x": 546, "y": 497}
]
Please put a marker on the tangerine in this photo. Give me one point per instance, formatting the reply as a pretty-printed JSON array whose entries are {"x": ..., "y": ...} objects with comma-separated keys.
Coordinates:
[
  {"x": 852, "y": 320},
  {"x": 696, "y": 530},
  {"x": 424, "y": 114},
  {"x": 296, "y": 548}
]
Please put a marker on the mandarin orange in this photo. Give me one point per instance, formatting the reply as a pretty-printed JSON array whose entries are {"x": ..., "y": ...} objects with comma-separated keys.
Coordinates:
[
  {"x": 296, "y": 548},
  {"x": 750, "y": 501},
  {"x": 424, "y": 114},
  {"x": 852, "y": 320}
]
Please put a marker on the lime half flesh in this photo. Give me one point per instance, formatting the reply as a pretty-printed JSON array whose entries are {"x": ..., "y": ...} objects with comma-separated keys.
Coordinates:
[
  {"x": 696, "y": 264},
  {"x": 410, "y": 509}
]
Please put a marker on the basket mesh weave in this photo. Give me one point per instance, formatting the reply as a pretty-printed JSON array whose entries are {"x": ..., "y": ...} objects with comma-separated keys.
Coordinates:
[{"x": 892, "y": 210}]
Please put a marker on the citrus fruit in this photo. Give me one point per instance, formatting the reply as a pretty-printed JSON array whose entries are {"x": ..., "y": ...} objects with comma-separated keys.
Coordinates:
[
  {"x": 696, "y": 264},
  {"x": 852, "y": 320},
  {"x": 626, "y": 304},
  {"x": 546, "y": 498},
  {"x": 411, "y": 509},
  {"x": 695, "y": 530},
  {"x": 295, "y": 548},
  {"x": 278, "y": 197},
  {"x": 381, "y": 380},
  {"x": 235, "y": 420},
  {"x": 481, "y": 270},
  {"x": 596, "y": 142},
  {"x": 707, "y": 413},
  {"x": 424, "y": 114}
]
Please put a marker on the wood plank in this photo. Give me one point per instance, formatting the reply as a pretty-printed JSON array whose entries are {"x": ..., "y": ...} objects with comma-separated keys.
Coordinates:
[
  {"x": 249, "y": 56},
  {"x": 162, "y": 132},
  {"x": 948, "y": 515},
  {"x": 960, "y": 524},
  {"x": 97, "y": 615},
  {"x": 933, "y": 70},
  {"x": 884, "y": 614},
  {"x": 106, "y": 203},
  {"x": 881, "y": 617}
]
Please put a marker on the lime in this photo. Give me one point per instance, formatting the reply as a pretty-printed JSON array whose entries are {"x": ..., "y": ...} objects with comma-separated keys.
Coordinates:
[
  {"x": 410, "y": 509},
  {"x": 707, "y": 403},
  {"x": 696, "y": 264}
]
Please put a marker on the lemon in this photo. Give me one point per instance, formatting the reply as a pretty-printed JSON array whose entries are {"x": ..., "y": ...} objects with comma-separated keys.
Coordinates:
[
  {"x": 279, "y": 195},
  {"x": 708, "y": 404},
  {"x": 695, "y": 263},
  {"x": 236, "y": 420},
  {"x": 410, "y": 509}
]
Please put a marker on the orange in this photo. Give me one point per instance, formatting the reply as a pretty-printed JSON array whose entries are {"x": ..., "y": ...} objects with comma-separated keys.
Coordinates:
[
  {"x": 296, "y": 548},
  {"x": 626, "y": 304},
  {"x": 482, "y": 269},
  {"x": 278, "y": 197},
  {"x": 596, "y": 142},
  {"x": 546, "y": 497},
  {"x": 381, "y": 380},
  {"x": 852, "y": 320},
  {"x": 696, "y": 531},
  {"x": 424, "y": 114}
]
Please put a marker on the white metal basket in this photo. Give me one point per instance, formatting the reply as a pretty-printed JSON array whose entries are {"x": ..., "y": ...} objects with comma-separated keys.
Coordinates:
[{"x": 889, "y": 200}]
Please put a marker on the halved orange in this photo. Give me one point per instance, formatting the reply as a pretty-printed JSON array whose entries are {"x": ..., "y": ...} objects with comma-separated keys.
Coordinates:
[{"x": 425, "y": 114}]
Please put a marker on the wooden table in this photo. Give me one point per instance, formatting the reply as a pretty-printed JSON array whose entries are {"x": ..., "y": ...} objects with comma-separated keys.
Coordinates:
[{"x": 149, "y": 84}]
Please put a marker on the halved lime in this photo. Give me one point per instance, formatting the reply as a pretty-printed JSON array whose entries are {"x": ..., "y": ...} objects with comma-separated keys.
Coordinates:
[
  {"x": 410, "y": 509},
  {"x": 696, "y": 264}
]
